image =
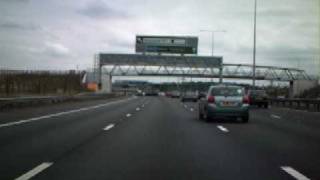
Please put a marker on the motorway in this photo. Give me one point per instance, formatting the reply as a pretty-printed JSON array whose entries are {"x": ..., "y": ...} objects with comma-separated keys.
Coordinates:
[{"x": 156, "y": 138}]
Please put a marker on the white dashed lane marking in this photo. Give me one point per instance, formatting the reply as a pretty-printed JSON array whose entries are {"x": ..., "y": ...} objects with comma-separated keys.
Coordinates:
[
  {"x": 222, "y": 128},
  {"x": 108, "y": 127},
  {"x": 34, "y": 171},
  {"x": 128, "y": 115},
  {"x": 60, "y": 114},
  {"x": 275, "y": 116},
  {"x": 294, "y": 173}
]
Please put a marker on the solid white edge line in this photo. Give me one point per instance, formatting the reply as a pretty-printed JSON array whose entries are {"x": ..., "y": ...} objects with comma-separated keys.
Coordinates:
[
  {"x": 108, "y": 127},
  {"x": 34, "y": 171},
  {"x": 275, "y": 116},
  {"x": 61, "y": 113},
  {"x": 294, "y": 173},
  {"x": 222, "y": 128}
]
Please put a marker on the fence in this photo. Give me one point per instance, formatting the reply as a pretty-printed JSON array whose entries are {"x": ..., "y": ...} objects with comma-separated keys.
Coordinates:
[{"x": 16, "y": 82}]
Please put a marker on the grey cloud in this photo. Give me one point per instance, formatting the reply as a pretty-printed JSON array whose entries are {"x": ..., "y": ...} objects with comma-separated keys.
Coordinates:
[
  {"x": 279, "y": 50},
  {"x": 99, "y": 9},
  {"x": 9, "y": 25},
  {"x": 287, "y": 30},
  {"x": 283, "y": 12},
  {"x": 53, "y": 49},
  {"x": 14, "y": 1},
  {"x": 116, "y": 42}
]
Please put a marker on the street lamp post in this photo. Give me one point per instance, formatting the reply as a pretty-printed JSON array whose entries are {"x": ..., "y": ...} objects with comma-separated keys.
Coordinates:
[
  {"x": 212, "y": 38},
  {"x": 254, "y": 45},
  {"x": 212, "y": 48}
]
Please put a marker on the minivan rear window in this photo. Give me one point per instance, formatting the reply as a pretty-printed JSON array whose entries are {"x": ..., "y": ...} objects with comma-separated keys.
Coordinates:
[{"x": 227, "y": 91}]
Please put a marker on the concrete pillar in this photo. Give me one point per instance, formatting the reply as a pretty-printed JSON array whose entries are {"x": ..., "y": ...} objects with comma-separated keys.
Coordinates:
[
  {"x": 299, "y": 86},
  {"x": 106, "y": 83},
  {"x": 291, "y": 89},
  {"x": 99, "y": 77}
]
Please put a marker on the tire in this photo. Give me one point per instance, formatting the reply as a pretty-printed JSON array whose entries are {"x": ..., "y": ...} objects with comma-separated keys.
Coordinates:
[
  {"x": 206, "y": 117},
  {"x": 200, "y": 116},
  {"x": 266, "y": 105},
  {"x": 245, "y": 119}
]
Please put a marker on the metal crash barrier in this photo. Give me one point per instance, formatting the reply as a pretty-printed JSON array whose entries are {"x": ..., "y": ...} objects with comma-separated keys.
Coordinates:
[
  {"x": 17, "y": 102},
  {"x": 308, "y": 104}
]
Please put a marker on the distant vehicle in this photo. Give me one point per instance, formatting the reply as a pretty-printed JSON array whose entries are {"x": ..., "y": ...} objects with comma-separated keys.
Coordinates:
[
  {"x": 151, "y": 93},
  {"x": 201, "y": 95},
  {"x": 161, "y": 93},
  {"x": 259, "y": 98},
  {"x": 175, "y": 94},
  {"x": 139, "y": 94},
  {"x": 168, "y": 94},
  {"x": 189, "y": 96},
  {"x": 224, "y": 101}
]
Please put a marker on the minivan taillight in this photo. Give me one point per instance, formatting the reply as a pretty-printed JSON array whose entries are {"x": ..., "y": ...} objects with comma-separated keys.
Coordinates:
[
  {"x": 245, "y": 100},
  {"x": 211, "y": 99}
]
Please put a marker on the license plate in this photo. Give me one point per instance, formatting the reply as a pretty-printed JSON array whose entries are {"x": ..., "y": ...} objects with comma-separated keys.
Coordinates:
[{"x": 226, "y": 103}]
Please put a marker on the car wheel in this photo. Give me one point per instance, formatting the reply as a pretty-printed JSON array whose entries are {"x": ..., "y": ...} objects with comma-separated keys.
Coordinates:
[
  {"x": 200, "y": 116},
  {"x": 266, "y": 105},
  {"x": 245, "y": 119},
  {"x": 206, "y": 117}
]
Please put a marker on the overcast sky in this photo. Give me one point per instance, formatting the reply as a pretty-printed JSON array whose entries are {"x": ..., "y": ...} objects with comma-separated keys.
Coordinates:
[{"x": 64, "y": 34}]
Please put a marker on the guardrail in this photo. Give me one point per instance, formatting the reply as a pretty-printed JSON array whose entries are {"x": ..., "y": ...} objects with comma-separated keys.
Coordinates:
[
  {"x": 9, "y": 103},
  {"x": 308, "y": 104}
]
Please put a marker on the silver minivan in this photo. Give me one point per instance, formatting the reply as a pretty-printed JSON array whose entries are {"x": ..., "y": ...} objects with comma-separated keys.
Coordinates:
[{"x": 224, "y": 101}]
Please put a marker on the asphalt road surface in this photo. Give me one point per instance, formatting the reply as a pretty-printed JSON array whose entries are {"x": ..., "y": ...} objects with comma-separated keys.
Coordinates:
[{"x": 156, "y": 138}]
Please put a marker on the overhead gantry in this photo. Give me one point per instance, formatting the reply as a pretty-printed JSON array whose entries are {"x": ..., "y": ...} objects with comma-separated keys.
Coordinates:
[
  {"x": 158, "y": 65},
  {"x": 188, "y": 66}
]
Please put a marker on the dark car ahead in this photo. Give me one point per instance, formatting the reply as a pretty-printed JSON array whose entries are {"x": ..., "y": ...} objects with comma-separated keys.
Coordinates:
[
  {"x": 189, "y": 96},
  {"x": 175, "y": 94},
  {"x": 224, "y": 101},
  {"x": 151, "y": 93},
  {"x": 258, "y": 98}
]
